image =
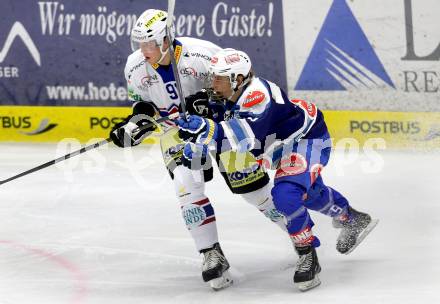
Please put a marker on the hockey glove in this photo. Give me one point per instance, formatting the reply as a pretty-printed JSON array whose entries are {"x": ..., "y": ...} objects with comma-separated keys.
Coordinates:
[
  {"x": 197, "y": 130},
  {"x": 198, "y": 104},
  {"x": 132, "y": 130},
  {"x": 128, "y": 133}
]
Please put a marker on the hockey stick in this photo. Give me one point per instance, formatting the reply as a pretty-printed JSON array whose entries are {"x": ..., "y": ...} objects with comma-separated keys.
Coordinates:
[
  {"x": 170, "y": 13},
  {"x": 77, "y": 152}
]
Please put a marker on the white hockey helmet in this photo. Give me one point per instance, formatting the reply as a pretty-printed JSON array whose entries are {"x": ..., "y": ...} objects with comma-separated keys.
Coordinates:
[
  {"x": 231, "y": 63},
  {"x": 151, "y": 26}
]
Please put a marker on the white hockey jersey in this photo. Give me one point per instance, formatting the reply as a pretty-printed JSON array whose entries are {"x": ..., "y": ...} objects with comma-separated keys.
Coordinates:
[{"x": 156, "y": 83}]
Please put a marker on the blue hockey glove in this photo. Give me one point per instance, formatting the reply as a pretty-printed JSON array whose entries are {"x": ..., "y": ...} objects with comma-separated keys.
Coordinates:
[{"x": 197, "y": 129}]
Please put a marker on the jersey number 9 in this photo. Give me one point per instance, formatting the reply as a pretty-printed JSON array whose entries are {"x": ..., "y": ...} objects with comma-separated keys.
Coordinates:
[{"x": 171, "y": 89}]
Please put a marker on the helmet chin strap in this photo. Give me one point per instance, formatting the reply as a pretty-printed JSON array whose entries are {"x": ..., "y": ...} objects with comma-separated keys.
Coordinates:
[
  {"x": 163, "y": 53},
  {"x": 245, "y": 81},
  {"x": 232, "y": 93},
  {"x": 163, "y": 56}
]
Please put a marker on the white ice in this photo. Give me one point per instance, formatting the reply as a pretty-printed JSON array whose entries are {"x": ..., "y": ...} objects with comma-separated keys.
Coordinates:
[{"x": 105, "y": 227}]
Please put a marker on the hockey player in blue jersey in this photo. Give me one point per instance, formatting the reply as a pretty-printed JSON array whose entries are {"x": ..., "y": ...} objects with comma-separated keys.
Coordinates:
[{"x": 289, "y": 136}]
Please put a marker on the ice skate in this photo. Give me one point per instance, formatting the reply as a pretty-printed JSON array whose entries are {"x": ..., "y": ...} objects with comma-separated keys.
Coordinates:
[
  {"x": 354, "y": 230},
  {"x": 215, "y": 268},
  {"x": 307, "y": 268}
]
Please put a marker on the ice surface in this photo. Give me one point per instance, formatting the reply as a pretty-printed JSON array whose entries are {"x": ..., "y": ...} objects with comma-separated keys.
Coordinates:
[{"x": 105, "y": 227}]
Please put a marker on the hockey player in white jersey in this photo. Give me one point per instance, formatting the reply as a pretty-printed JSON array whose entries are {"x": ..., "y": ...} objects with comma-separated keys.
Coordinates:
[
  {"x": 289, "y": 136},
  {"x": 152, "y": 87}
]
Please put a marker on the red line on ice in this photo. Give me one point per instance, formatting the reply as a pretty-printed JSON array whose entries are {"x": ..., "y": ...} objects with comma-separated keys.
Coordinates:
[{"x": 80, "y": 288}]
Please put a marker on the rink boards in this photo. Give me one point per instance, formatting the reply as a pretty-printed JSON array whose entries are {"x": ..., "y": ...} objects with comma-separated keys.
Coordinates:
[
  {"x": 348, "y": 128},
  {"x": 348, "y": 57}
]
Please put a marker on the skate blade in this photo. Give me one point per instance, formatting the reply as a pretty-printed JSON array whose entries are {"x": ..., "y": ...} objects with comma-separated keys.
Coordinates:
[
  {"x": 220, "y": 283},
  {"x": 304, "y": 286},
  {"x": 364, "y": 233}
]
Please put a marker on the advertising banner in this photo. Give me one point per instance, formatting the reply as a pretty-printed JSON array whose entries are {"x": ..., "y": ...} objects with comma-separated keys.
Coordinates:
[
  {"x": 365, "y": 54},
  {"x": 73, "y": 53},
  {"x": 394, "y": 130},
  {"x": 53, "y": 124}
]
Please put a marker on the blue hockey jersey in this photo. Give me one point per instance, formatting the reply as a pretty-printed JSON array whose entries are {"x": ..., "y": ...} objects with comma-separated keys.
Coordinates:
[{"x": 263, "y": 119}]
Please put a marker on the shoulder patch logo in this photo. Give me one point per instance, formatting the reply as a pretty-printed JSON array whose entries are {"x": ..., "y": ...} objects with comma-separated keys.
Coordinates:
[
  {"x": 342, "y": 58},
  {"x": 253, "y": 98},
  {"x": 308, "y": 107}
]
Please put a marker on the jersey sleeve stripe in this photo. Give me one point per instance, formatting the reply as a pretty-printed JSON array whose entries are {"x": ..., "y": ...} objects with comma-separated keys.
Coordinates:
[
  {"x": 230, "y": 135},
  {"x": 239, "y": 134}
]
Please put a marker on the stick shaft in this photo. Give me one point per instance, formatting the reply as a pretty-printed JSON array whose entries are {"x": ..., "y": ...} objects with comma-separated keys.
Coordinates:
[
  {"x": 72, "y": 154},
  {"x": 170, "y": 13}
]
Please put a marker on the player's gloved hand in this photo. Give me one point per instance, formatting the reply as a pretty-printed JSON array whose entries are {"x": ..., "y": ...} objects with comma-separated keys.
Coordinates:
[
  {"x": 198, "y": 104},
  {"x": 133, "y": 130},
  {"x": 197, "y": 129},
  {"x": 194, "y": 155}
]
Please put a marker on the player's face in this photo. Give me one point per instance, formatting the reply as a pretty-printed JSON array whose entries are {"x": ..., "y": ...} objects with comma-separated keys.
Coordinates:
[
  {"x": 151, "y": 51},
  {"x": 222, "y": 85}
]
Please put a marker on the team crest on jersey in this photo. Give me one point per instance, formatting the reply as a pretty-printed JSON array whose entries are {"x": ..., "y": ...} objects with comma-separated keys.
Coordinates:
[
  {"x": 295, "y": 164},
  {"x": 148, "y": 81},
  {"x": 309, "y": 107},
  {"x": 254, "y": 98}
]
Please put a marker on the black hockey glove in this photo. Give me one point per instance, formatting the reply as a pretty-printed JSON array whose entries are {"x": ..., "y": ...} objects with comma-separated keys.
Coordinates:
[
  {"x": 131, "y": 131},
  {"x": 196, "y": 104}
]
